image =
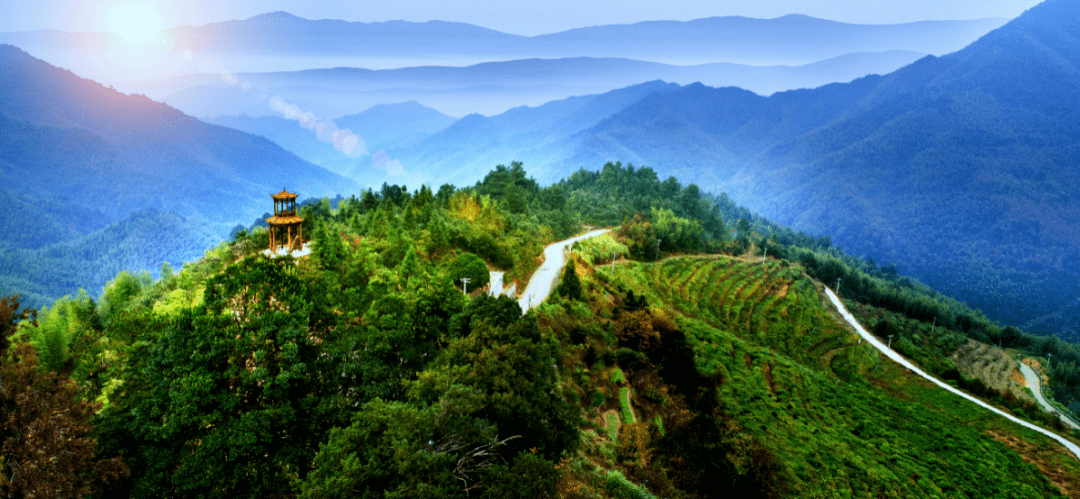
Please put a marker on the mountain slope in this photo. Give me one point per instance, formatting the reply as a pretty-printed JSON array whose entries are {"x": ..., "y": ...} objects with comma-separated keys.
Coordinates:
[
  {"x": 949, "y": 157},
  {"x": 381, "y": 127},
  {"x": 538, "y": 136},
  {"x": 115, "y": 182},
  {"x": 958, "y": 168},
  {"x": 75, "y": 138},
  {"x": 696, "y": 375}
]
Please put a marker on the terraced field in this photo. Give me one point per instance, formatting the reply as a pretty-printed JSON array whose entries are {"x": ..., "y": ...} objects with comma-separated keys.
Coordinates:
[
  {"x": 840, "y": 421},
  {"x": 771, "y": 304}
]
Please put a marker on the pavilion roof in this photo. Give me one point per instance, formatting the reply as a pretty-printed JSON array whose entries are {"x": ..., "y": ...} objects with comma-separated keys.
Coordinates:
[
  {"x": 283, "y": 195},
  {"x": 284, "y": 220}
]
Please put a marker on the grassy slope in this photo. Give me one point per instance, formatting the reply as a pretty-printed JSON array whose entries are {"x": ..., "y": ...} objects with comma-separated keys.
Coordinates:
[{"x": 842, "y": 421}]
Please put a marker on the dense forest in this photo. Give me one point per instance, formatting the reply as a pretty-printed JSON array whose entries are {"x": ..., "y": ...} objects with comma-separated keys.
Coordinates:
[
  {"x": 690, "y": 365},
  {"x": 42, "y": 270}
]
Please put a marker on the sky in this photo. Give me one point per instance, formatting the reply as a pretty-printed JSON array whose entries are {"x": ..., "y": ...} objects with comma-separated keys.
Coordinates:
[{"x": 514, "y": 16}]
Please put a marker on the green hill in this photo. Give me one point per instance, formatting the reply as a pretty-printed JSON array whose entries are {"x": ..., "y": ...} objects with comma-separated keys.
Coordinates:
[{"x": 693, "y": 367}]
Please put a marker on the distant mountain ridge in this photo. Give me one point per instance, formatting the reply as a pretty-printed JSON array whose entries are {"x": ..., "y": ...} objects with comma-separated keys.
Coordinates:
[
  {"x": 487, "y": 88},
  {"x": 75, "y": 138},
  {"x": 282, "y": 42},
  {"x": 385, "y": 126},
  {"x": 960, "y": 168}
]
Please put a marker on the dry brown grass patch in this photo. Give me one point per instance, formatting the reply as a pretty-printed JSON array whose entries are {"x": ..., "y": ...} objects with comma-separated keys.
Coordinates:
[{"x": 1068, "y": 483}]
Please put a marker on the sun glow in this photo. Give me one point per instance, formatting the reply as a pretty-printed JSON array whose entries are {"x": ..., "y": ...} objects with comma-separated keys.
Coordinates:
[{"x": 137, "y": 23}]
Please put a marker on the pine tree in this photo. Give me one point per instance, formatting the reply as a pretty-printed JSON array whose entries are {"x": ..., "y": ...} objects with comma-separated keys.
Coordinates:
[{"x": 570, "y": 285}]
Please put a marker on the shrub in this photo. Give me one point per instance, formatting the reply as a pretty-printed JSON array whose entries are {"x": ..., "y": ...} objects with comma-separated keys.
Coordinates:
[
  {"x": 611, "y": 429},
  {"x": 619, "y": 487},
  {"x": 616, "y": 375},
  {"x": 624, "y": 405}
]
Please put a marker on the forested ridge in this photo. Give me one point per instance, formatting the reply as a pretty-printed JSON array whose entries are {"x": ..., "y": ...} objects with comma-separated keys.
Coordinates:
[
  {"x": 690, "y": 366},
  {"x": 144, "y": 240},
  {"x": 959, "y": 169}
]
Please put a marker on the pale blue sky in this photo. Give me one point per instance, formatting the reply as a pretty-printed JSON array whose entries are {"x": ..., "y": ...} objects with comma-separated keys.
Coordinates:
[{"x": 525, "y": 18}]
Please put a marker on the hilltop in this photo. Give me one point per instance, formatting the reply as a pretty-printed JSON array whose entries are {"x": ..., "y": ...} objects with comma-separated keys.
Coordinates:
[{"x": 693, "y": 367}]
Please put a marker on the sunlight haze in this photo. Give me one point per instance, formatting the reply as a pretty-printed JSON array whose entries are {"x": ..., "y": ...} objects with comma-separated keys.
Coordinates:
[{"x": 136, "y": 22}]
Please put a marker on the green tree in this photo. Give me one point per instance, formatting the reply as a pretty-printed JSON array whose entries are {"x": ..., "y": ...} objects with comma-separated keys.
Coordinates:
[
  {"x": 510, "y": 368},
  {"x": 329, "y": 250},
  {"x": 501, "y": 311},
  {"x": 125, "y": 291},
  {"x": 676, "y": 233},
  {"x": 570, "y": 284},
  {"x": 409, "y": 450},
  {"x": 639, "y": 235},
  {"x": 45, "y": 447},
  {"x": 468, "y": 265},
  {"x": 231, "y": 403}
]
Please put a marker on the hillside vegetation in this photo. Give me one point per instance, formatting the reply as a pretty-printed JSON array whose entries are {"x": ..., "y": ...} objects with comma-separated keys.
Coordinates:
[
  {"x": 692, "y": 368},
  {"x": 958, "y": 169}
]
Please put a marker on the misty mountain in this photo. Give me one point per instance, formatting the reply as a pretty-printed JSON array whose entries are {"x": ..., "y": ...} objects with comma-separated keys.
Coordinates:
[
  {"x": 960, "y": 168},
  {"x": 69, "y": 137},
  {"x": 539, "y": 136},
  {"x": 488, "y": 88},
  {"x": 381, "y": 127},
  {"x": 282, "y": 42},
  {"x": 78, "y": 159}
]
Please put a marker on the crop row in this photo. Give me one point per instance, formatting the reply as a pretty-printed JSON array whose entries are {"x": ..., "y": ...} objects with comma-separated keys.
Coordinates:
[{"x": 772, "y": 304}]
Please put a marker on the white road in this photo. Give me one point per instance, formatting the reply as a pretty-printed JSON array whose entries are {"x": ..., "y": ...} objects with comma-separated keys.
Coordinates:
[
  {"x": 496, "y": 287},
  {"x": 543, "y": 280},
  {"x": 1034, "y": 383},
  {"x": 904, "y": 362}
]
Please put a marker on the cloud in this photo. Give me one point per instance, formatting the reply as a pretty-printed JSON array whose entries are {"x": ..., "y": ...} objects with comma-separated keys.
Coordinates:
[{"x": 382, "y": 161}]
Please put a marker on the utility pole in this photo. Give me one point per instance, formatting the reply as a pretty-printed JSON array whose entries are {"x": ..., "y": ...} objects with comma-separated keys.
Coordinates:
[
  {"x": 465, "y": 285},
  {"x": 763, "y": 255},
  {"x": 933, "y": 326},
  {"x": 1048, "y": 359},
  {"x": 837, "y": 286},
  {"x": 890, "y": 341}
]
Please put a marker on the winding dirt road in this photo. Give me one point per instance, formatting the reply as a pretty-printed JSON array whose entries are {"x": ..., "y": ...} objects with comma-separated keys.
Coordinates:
[
  {"x": 543, "y": 280},
  {"x": 890, "y": 353}
]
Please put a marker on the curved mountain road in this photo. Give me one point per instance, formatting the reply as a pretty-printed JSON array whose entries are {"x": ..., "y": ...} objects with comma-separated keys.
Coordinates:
[
  {"x": 543, "y": 280},
  {"x": 1034, "y": 383},
  {"x": 890, "y": 353}
]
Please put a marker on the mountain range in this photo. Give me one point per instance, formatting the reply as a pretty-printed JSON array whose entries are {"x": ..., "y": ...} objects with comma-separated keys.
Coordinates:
[
  {"x": 957, "y": 168},
  {"x": 381, "y": 127},
  {"x": 279, "y": 41},
  {"x": 487, "y": 88},
  {"x": 82, "y": 158}
]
